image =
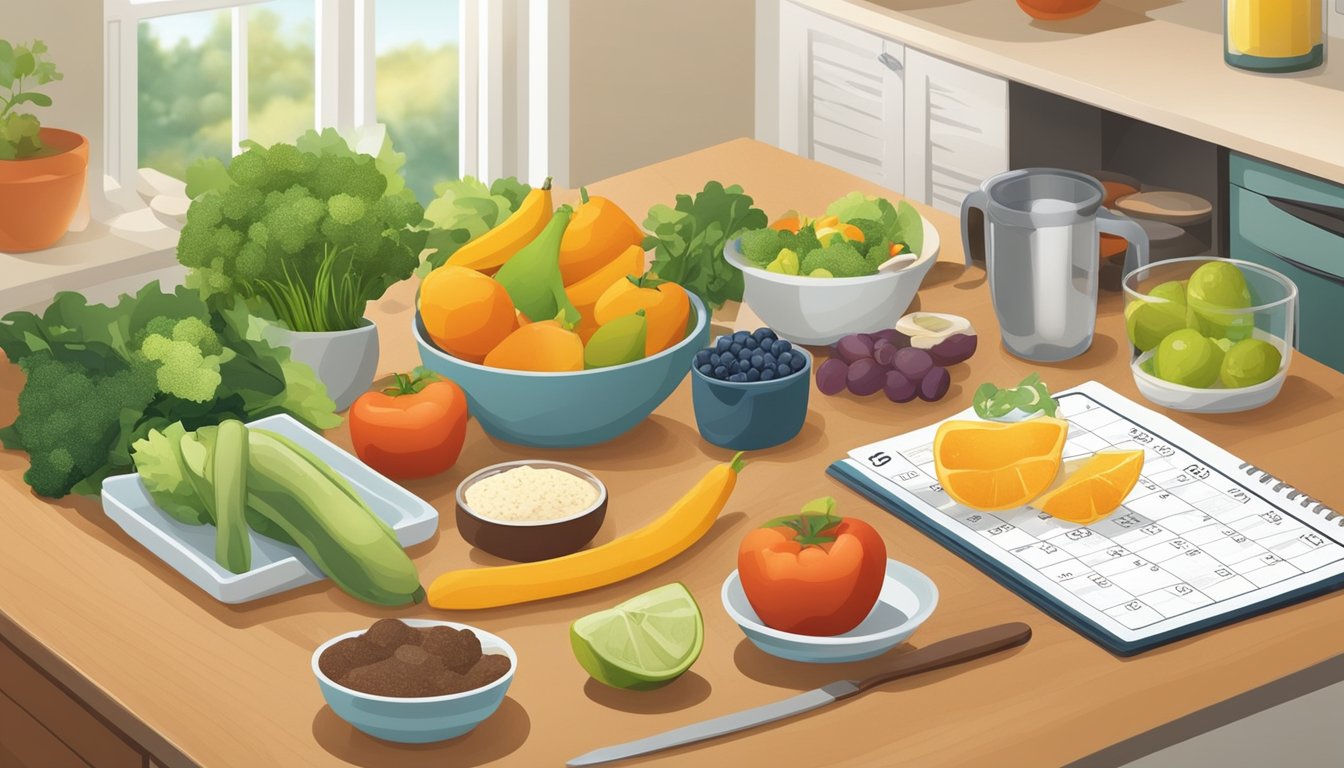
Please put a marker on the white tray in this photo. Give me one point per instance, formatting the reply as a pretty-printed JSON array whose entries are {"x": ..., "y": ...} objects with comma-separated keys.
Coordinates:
[{"x": 276, "y": 567}]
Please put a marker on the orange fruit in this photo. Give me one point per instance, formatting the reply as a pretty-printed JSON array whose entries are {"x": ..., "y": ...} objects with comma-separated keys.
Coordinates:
[
  {"x": 667, "y": 307},
  {"x": 599, "y": 232},
  {"x": 543, "y": 346},
  {"x": 1096, "y": 489},
  {"x": 791, "y": 221},
  {"x": 465, "y": 312},
  {"x": 585, "y": 293},
  {"x": 995, "y": 466}
]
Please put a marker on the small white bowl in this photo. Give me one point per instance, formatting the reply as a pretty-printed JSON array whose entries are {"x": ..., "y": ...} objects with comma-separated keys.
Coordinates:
[
  {"x": 908, "y": 598},
  {"x": 817, "y": 311}
]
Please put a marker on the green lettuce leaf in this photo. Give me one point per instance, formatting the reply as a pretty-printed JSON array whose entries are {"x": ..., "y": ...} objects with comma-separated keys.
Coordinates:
[{"x": 688, "y": 239}]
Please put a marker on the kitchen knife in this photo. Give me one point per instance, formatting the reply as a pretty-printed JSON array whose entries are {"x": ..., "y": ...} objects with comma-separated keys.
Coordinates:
[{"x": 943, "y": 653}]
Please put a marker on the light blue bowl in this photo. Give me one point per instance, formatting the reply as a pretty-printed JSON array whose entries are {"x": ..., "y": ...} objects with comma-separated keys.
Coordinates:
[
  {"x": 751, "y": 415},
  {"x": 571, "y": 409},
  {"x": 419, "y": 720},
  {"x": 908, "y": 598}
]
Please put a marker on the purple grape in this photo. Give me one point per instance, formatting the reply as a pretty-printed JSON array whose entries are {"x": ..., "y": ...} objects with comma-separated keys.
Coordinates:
[
  {"x": 956, "y": 348},
  {"x": 934, "y": 384},
  {"x": 853, "y": 348},
  {"x": 913, "y": 362},
  {"x": 865, "y": 377},
  {"x": 894, "y": 337},
  {"x": 884, "y": 352},
  {"x": 832, "y": 376},
  {"x": 898, "y": 388}
]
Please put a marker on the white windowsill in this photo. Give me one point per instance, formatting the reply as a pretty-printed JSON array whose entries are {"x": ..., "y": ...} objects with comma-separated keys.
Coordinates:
[{"x": 102, "y": 261}]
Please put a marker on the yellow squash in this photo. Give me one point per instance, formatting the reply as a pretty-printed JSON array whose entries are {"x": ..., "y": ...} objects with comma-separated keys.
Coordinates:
[
  {"x": 489, "y": 251},
  {"x": 632, "y": 554}
]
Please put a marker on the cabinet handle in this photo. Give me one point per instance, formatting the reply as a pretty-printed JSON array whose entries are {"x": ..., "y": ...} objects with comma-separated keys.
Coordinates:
[
  {"x": 1326, "y": 217},
  {"x": 1317, "y": 271},
  {"x": 891, "y": 62}
]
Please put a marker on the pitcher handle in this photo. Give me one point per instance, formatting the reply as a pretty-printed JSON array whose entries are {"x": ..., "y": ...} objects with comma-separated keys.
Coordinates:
[
  {"x": 1136, "y": 239},
  {"x": 976, "y": 199}
]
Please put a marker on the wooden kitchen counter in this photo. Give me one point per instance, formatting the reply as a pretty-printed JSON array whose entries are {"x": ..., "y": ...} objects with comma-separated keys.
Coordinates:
[{"x": 193, "y": 681}]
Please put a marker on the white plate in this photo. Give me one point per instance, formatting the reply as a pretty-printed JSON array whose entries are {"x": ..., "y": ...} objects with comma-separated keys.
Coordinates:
[
  {"x": 908, "y": 597},
  {"x": 276, "y": 567}
]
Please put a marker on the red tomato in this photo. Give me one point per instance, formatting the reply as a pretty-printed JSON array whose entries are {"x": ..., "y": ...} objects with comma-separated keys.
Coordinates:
[
  {"x": 414, "y": 429},
  {"x": 813, "y": 573}
]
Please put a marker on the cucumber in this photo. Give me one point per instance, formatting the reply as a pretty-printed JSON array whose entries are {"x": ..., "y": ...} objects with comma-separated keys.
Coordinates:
[
  {"x": 293, "y": 490},
  {"x": 227, "y": 472}
]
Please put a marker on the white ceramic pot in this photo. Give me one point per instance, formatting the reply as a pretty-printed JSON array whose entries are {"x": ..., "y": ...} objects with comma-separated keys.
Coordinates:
[{"x": 345, "y": 361}]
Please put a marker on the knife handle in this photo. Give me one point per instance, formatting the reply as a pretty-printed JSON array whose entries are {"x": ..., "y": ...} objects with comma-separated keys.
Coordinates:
[{"x": 953, "y": 650}]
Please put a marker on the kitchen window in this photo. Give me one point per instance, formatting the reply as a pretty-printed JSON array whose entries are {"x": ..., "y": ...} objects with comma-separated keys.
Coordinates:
[{"x": 187, "y": 79}]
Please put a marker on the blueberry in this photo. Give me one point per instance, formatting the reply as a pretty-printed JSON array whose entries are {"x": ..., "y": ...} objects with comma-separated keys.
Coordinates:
[
  {"x": 765, "y": 333},
  {"x": 753, "y": 375},
  {"x": 702, "y": 357},
  {"x": 706, "y": 369},
  {"x": 715, "y": 359},
  {"x": 734, "y": 367},
  {"x": 785, "y": 358},
  {"x": 740, "y": 336},
  {"x": 780, "y": 347},
  {"x": 720, "y": 372},
  {"x": 769, "y": 360},
  {"x": 745, "y": 355},
  {"x": 767, "y": 374},
  {"x": 798, "y": 363},
  {"x": 750, "y": 342},
  {"x": 735, "y": 348},
  {"x": 738, "y": 378},
  {"x": 782, "y": 370},
  {"x": 722, "y": 344},
  {"x": 757, "y": 361}
]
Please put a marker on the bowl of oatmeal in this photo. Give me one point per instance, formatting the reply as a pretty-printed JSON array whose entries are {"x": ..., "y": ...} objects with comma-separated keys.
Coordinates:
[{"x": 531, "y": 509}]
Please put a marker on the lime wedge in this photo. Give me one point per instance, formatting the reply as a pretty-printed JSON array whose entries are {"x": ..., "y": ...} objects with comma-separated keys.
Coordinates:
[{"x": 643, "y": 643}]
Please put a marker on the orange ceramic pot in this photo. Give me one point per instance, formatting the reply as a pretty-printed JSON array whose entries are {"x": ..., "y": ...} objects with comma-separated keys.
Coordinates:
[
  {"x": 1054, "y": 10},
  {"x": 40, "y": 195}
]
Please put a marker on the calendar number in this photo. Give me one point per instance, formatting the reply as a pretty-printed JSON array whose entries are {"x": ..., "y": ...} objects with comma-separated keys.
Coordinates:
[
  {"x": 1163, "y": 450},
  {"x": 879, "y": 459},
  {"x": 1198, "y": 471},
  {"x": 907, "y": 476},
  {"x": 1140, "y": 436}
]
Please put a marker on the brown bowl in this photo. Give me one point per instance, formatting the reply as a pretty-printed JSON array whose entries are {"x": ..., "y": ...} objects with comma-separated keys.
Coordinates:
[{"x": 530, "y": 540}]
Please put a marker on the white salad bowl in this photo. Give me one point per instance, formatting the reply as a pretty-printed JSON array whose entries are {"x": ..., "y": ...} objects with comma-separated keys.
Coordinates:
[
  {"x": 817, "y": 311},
  {"x": 908, "y": 598}
]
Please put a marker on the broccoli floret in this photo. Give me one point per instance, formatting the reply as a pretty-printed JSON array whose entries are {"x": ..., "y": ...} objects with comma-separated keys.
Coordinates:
[
  {"x": 69, "y": 419},
  {"x": 182, "y": 370},
  {"x": 839, "y": 258},
  {"x": 872, "y": 231},
  {"x": 196, "y": 332},
  {"x": 761, "y": 246},
  {"x": 878, "y": 254},
  {"x": 803, "y": 241}
]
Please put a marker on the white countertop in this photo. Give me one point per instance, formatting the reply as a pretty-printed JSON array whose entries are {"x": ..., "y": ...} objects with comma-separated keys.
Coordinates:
[{"x": 1160, "y": 61}]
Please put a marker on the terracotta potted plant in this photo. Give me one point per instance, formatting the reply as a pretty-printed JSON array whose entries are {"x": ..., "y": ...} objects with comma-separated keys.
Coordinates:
[
  {"x": 307, "y": 234},
  {"x": 42, "y": 170}
]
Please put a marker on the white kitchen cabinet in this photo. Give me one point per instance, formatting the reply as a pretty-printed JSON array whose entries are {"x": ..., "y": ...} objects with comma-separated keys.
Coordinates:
[
  {"x": 956, "y": 129},
  {"x": 841, "y": 96},
  {"x": 914, "y": 123}
]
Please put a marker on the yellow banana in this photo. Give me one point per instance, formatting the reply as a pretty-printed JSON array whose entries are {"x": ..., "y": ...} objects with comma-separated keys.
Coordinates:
[{"x": 489, "y": 251}]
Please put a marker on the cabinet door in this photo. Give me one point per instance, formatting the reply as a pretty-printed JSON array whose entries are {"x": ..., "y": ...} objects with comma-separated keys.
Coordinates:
[
  {"x": 841, "y": 96},
  {"x": 956, "y": 129}
]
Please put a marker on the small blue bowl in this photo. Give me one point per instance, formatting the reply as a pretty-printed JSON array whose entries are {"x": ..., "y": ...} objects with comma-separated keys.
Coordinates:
[
  {"x": 570, "y": 409},
  {"x": 751, "y": 415},
  {"x": 418, "y": 720},
  {"x": 908, "y": 598}
]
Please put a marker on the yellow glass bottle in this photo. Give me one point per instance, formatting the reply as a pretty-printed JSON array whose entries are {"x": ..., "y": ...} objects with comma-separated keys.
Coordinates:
[{"x": 1274, "y": 35}]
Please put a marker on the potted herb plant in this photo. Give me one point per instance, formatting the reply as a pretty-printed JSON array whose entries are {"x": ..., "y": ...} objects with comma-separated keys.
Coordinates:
[
  {"x": 42, "y": 170},
  {"x": 308, "y": 233}
]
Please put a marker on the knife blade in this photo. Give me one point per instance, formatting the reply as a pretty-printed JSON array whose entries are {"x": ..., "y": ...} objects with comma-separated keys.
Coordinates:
[{"x": 943, "y": 653}]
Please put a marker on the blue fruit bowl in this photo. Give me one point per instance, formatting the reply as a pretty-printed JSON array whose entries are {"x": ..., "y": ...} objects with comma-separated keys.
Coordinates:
[
  {"x": 570, "y": 409},
  {"x": 418, "y": 720},
  {"x": 752, "y": 415}
]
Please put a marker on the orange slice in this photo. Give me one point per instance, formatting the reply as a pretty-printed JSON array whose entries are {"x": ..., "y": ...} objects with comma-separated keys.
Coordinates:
[
  {"x": 1096, "y": 489},
  {"x": 994, "y": 466}
]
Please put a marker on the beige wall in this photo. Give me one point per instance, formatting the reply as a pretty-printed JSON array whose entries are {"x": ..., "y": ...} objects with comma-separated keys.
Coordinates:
[
  {"x": 73, "y": 30},
  {"x": 653, "y": 79}
]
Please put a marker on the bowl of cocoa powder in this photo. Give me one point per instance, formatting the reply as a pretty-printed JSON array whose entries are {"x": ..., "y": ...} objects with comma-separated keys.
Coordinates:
[{"x": 415, "y": 681}]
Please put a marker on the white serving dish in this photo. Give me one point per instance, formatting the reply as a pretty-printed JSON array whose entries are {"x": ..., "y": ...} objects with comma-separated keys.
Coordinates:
[
  {"x": 816, "y": 311},
  {"x": 908, "y": 598},
  {"x": 276, "y": 567},
  {"x": 1213, "y": 399}
]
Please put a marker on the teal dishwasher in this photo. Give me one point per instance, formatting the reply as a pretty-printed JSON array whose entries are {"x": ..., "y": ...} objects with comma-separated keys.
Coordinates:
[{"x": 1294, "y": 224}]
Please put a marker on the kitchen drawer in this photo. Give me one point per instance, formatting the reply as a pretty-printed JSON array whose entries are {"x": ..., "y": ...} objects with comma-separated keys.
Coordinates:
[
  {"x": 1309, "y": 255},
  {"x": 1275, "y": 181}
]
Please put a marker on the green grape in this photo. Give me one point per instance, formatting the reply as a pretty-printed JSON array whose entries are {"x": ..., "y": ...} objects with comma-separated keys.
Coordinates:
[
  {"x": 1188, "y": 358},
  {"x": 1213, "y": 294},
  {"x": 1250, "y": 362},
  {"x": 1148, "y": 322}
]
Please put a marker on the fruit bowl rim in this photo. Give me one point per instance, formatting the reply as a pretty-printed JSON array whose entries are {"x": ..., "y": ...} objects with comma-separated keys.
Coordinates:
[
  {"x": 701, "y": 323},
  {"x": 1289, "y": 298}
]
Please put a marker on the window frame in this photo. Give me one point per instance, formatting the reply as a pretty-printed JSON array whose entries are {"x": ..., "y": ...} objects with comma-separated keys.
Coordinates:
[{"x": 492, "y": 90}]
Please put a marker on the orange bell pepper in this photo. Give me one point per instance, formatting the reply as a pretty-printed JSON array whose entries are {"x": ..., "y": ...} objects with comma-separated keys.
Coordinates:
[
  {"x": 599, "y": 232},
  {"x": 667, "y": 306}
]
